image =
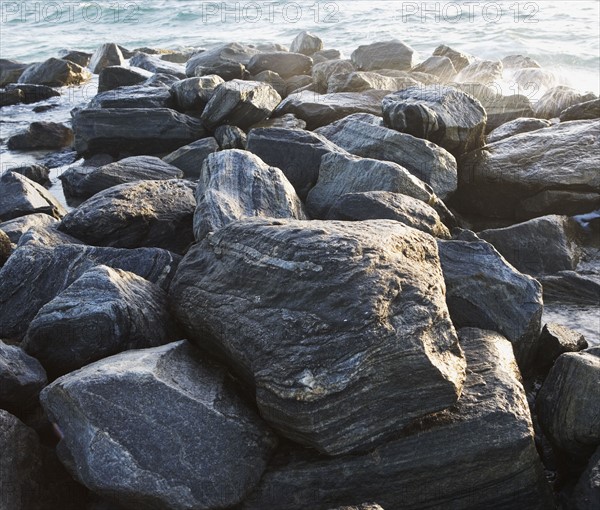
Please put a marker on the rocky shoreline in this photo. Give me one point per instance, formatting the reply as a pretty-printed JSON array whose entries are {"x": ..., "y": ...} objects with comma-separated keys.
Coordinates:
[{"x": 290, "y": 280}]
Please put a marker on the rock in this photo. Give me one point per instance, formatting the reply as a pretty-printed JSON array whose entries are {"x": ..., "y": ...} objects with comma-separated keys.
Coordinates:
[
  {"x": 365, "y": 506},
  {"x": 273, "y": 79},
  {"x": 443, "y": 115},
  {"x": 516, "y": 127},
  {"x": 194, "y": 93},
  {"x": 570, "y": 287},
  {"x": 542, "y": 245},
  {"x": 581, "y": 111},
  {"x": 21, "y": 379},
  {"x": 231, "y": 55},
  {"x": 484, "y": 291},
  {"x": 320, "y": 109},
  {"x": 227, "y": 71},
  {"x": 532, "y": 80},
  {"x": 486, "y": 72},
  {"x": 33, "y": 93},
  {"x": 558, "y": 99},
  {"x": 236, "y": 184},
  {"x": 11, "y": 97},
  {"x": 586, "y": 495},
  {"x": 385, "y": 205},
  {"x": 133, "y": 130},
  {"x": 442, "y": 67},
  {"x": 104, "y": 312},
  {"x": 134, "y": 96},
  {"x": 5, "y": 248},
  {"x": 10, "y": 71},
  {"x": 106, "y": 55},
  {"x": 288, "y": 121},
  {"x": 15, "y": 228},
  {"x": 358, "y": 81},
  {"x": 565, "y": 405},
  {"x": 157, "y": 65},
  {"x": 519, "y": 62},
  {"x": 46, "y": 236},
  {"x": 173, "y": 424},
  {"x": 533, "y": 174},
  {"x": 556, "y": 340},
  {"x": 459, "y": 60},
  {"x": 116, "y": 76},
  {"x": 361, "y": 135},
  {"x": 325, "y": 55},
  {"x": 296, "y": 152},
  {"x": 42, "y": 135},
  {"x": 503, "y": 109},
  {"x": 230, "y": 137},
  {"x": 503, "y": 473},
  {"x": 189, "y": 158},
  {"x": 37, "y": 173},
  {"x": 240, "y": 103},
  {"x": 270, "y": 46},
  {"x": 177, "y": 57},
  {"x": 316, "y": 341},
  {"x": 306, "y": 43},
  {"x": 20, "y": 196},
  {"x": 55, "y": 72},
  {"x": 50, "y": 270},
  {"x": 392, "y": 54},
  {"x": 284, "y": 63},
  {"x": 322, "y": 72},
  {"x": 297, "y": 84},
  {"x": 81, "y": 58}
]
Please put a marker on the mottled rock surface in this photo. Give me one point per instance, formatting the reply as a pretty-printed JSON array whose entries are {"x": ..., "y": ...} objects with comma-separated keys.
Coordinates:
[
  {"x": 221, "y": 55},
  {"x": 459, "y": 60},
  {"x": 556, "y": 340},
  {"x": 516, "y": 127},
  {"x": 586, "y": 495},
  {"x": 134, "y": 96},
  {"x": 113, "y": 77},
  {"x": 189, "y": 158},
  {"x": 55, "y": 72},
  {"x": 392, "y": 54},
  {"x": 581, "y": 111},
  {"x": 194, "y": 93},
  {"x": 156, "y": 65},
  {"x": 286, "y": 64},
  {"x": 16, "y": 227},
  {"x": 106, "y": 55},
  {"x": 306, "y": 43},
  {"x": 20, "y": 196},
  {"x": 42, "y": 135}
]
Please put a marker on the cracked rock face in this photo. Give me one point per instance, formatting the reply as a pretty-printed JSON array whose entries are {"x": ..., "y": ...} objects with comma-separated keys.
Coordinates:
[
  {"x": 159, "y": 428},
  {"x": 341, "y": 327}
]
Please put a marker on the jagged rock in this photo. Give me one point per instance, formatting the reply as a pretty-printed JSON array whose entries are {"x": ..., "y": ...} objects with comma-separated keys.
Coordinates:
[
  {"x": 21, "y": 379},
  {"x": 362, "y": 135},
  {"x": 459, "y": 60},
  {"x": 484, "y": 71},
  {"x": 134, "y": 130},
  {"x": 116, "y": 76},
  {"x": 516, "y": 127},
  {"x": 325, "y": 55},
  {"x": 296, "y": 152},
  {"x": 284, "y": 63},
  {"x": 33, "y": 93},
  {"x": 20, "y": 196},
  {"x": 230, "y": 137},
  {"x": 11, "y": 97},
  {"x": 359, "y": 81},
  {"x": 287, "y": 121},
  {"x": 5, "y": 247},
  {"x": 134, "y": 96},
  {"x": 586, "y": 495},
  {"x": 227, "y": 71},
  {"x": 240, "y": 103},
  {"x": 484, "y": 291},
  {"x": 189, "y": 158},
  {"x": 443, "y": 115},
  {"x": 306, "y": 43},
  {"x": 556, "y": 340},
  {"x": 322, "y": 331},
  {"x": 36, "y": 173},
  {"x": 194, "y": 93},
  {"x": 106, "y": 55},
  {"x": 16, "y": 227},
  {"x": 81, "y": 58},
  {"x": 582, "y": 111},
  {"x": 46, "y": 236},
  {"x": 295, "y": 83},
  {"x": 157, "y": 65},
  {"x": 136, "y": 214},
  {"x": 439, "y": 66},
  {"x": 236, "y": 184},
  {"x": 392, "y": 54},
  {"x": 570, "y": 287},
  {"x": 224, "y": 55},
  {"x": 533, "y": 174},
  {"x": 54, "y": 72},
  {"x": 172, "y": 423},
  {"x": 558, "y": 99},
  {"x": 504, "y": 472},
  {"x": 273, "y": 79},
  {"x": 42, "y": 135},
  {"x": 385, "y": 205},
  {"x": 519, "y": 62},
  {"x": 10, "y": 71},
  {"x": 542, "y": 245},
  {"x": 322, "y": 72},
  {"x": 50, "y": 270}
]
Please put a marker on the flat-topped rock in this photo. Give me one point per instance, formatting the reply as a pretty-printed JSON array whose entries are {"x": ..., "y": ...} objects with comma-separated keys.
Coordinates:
[
  {"x": 134, "y": 96},
  {"x": 231, "y": 53},
  {"x": 581, "y": 111},
  {"x": 359, "y": 81},
  {"x": 55, "y": 72},
  {"x": 33, "y": 93},
  {"x": 189, "y": 158},
  {"x": 113, "y": 77},
  {"x": 284, "y": 63},
  {"x": 157, "y": 65},
  {"x": 392, "y": 54},
  {"x": 516, "y": 127},
  {"x": 558, "y": 99}
]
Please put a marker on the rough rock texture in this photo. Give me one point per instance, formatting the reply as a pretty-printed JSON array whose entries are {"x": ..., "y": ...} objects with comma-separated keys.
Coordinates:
[
  {"x": 273, "y": 79},
  {"x": 331, "y": 322},
  {"x": 106, "y": 55},
  {"x": 21, "y": 379},
  {"x": 519, "y": 62},
  {"x": 284, "y": 63},
  {"x": 46, "y": 236},
  {"x": 556, "y": 340},
  {"x": 459, "y": 60},
  {"x": 194, "y": 93},
  {"x": 502, "y": 109},
  {"x": 236, "y": 184},
  {"x": 364, "y": 506},
  {"x": 20, "y": 196},
  {"x": 443, "y": 115},
  {"x": 392, "y": 54},
  {"x": 159, "y": 428},
  {"x": 288, "y": 121},
  {"x": 55, "y": 72},
  {"x": 36, "y": 173},
  {"x": 533, "y": 174},
  {"x": 557, "y": 99},
  {"x": 439, "y": 66},
  {"x": 16, "y": 227},
  {"x": 297, "y": 84},
  {"x": 571, "y": 287},
  {"x": 231, "y": 53},
  {"x": 516, "y": 127},
  {"x": 586, "y": 495},
  {"x": 542, "y": 245},
  {"x": 134, "y": 96},
  {"x": 296, "y": 152},
  {"x": 161, "y": 217},
  {"x": 325, "y": 55},
  {"x": 104, "y": 312},
  {"x": 11, "y": 97},
  {"x": 566, "y": 405},
  {"x": 157, "y": 65},
  {"x": 230, "y": 137},
  {"x": 10, "y": 71},
  {"x": 116, "y": 76},
  {"x": 240, "y": 103},
  {"x": 484, "y": 291},
  {"x": 322, "y": 72},
  {"x": 419, "y": 469},
  {"x": 33, "y": 93},
  {"x": 52, "y": 269},
  {"x": 360, "y": 135},
  {"x": 306, "y": 43},
  {"x": 534, "y": 79},
  {"x": 80, "y": 58},
  {"x": 582, "y": 111},
  {"x": 483, "y": 71},
  {"x": 42, "y": 135},
  {"x": 5, "y": 248},
  {"x": 358, "y": 81},
  {"x": 189, "y": 158},
  {"x": 385, "y": 205},
  {"x": 134, "y": 130}
]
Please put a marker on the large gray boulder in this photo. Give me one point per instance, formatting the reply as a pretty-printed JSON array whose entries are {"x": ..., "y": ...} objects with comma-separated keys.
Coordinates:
[
  {"x": 556, "y": 340},
  {"x": 358, "y": 81},
  {"x": 443, "y": 115},
  {"x": 10, "y": 71},
  {"x": 16, "y": 227},
  {"x": 189, "y": 158},
  {"x": 341, "y": 327},
  {"x": 106, "y": 55},
  {"x": 157, "y": 65},
  {"x": 235, "y": 184},
  {"x": 134, "y": 96},
  {"x": 113, "y": 77},
  {"x": 273, "y": 79},
  {"x": 55, "y": 72},
  {"x": 33, "y": 93},
  {"x": 484, "y": 291},
  {"x": 195, "y": 93},
  {"x": 20, "y": 196},
  {"x": 392, "y": 54},
  {"x": 286, "y": 64},
  {"x": 35, "y": 172},
  {"x": 516, "y": 127},
  {"x": 42, "y": 135},
  {"x": 481, "y": 71},
  {"x": 533, "y": 174},
  {"x": 306, "y": 43},
  {"x": 459, "y": 60},
  {"x": 581, "y": 111},
  {"x": 231, "y": 53},
  {"x": 136, "y": 214},
  {"x": 425, "y": 466},
  {"x": 586, "y": 495},
  {"x": 439, "y": 66},
  {"x": 231, "y": 137},
  {"x": 159, "y": 428},
  {"x": 557, "y": 99},
  {"x": 323, "y": 71},
  {"x": 5, "y": 248}
]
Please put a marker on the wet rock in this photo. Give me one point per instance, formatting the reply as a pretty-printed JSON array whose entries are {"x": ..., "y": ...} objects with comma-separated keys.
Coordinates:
[
  {"x": 570, "y": 287},
  {"x": 134, "y": 96},
  {"x": 273, "y": 79},
  {"x": 503, "y": 109},
  {"x": 324, "y": 356},
  {"x": 16, "y": 227},
  {"x": 5, "y": 247},
  {"x": 55, "y": 72},
  {"x": 558, "y": 99},
  {"x": 322, "y": 72},
  {"x": 532, "y": 80},
  {"x": 284, "y": 63},
  {"x": 443, "y": 115},
  {"x": 33, "y": 93},
  {"x": 484, "y": 71},
  {"x": 516, "y": 127},
  {"x": 240, "y": 103},
  {"x": 582, "y": 111},
  {"x": 11, "y": 97},
  {"x": 106, "y": 55},
  {"x": 392, "y": 54},
  {"x": 133, "y": 130},
  {"x": 194, "y": 93},
  {"x": 586, "y": 495},
  {"x": 116, "y": 76},
  {"x": 189, "y": 158},
  {"x": 236, "y": 184},
  {"x": 519, "y": 62},
  {"x": 230, "y": 137},
  {"x": 224, "y": 55},
  {"x": 556, "y": 340},
  {"x": 42, "y": 135},
  {"x": 358, "y": 81},
  {"x": 173, "y": 424},
  {"x": 306, "y": 43},
  {"x": 157, "y": 65},
  {"x": 37, "y": 173},
  {"x": 442, "y": 67},
  {"x": 459, "y": 60},
  {"x": 20, "y": 196},
  {"x": 81, "y": 58},
  {"x": 287, "y": 121},
  {"x": 10, "y": 71},
  {"x": 227, "y": 71}
]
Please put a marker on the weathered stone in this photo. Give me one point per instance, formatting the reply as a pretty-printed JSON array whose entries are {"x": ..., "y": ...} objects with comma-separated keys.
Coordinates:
[
  {"x": 586, "y": 495},
  {"x": 37, "y": 173},
  {"x": 172, "y": 424},
  {"x": 116, "y": 76},
  {"x": 439, "y": 66},
  {"x": 33, "y": 93},
  {"x": 236, "y": 184},
  {"x": 570, "y": 287},
  {"x": 11, "y": 97},
  {"x": 189, "y": 158},
  {"x": 270, "y": 46},
  {"x": 504, "y": 109},
  {"x": 306, "y": 43},
  {"x": 81, "y": 58},
  {"x": 20, "y": 196},
  {"x": 284, "y": 63},
  {"x": 325, "y": 55},
  {"x": 230, "y": 137},
  {"x": 134, "y": 96},
  {"x": 226, "y": 70},
  {"x": 221, "y": 55},
  {"x": 359, "y": 81},
  {"x": 5, "y": 248},
  {"x": 273, "y": 79},
  {"x": 459, "y": 60},
  {"x": 295, "y": 83},
  {"x": 106, "y": 55},
  {"x": 194, "y": 93},
  {"x": 46, "y": 236},
  {"x": 483, "y": 71},
  {"x": 392, "y": 54},
  {"x": 532, "y": 80},
  {"x": 581, "y": 111},
  {"x": 10, "y": 71},
  {"x": 519, "y": 62},
  {"x": 516, "y": 127},
  {"x": 157, "y": 65},
  {"x": 558, "y": 99},
  {"x": 556, "y": 340},
  {"x": 322, "y": 72},
  {"x": 55, "y": 72},
  {"x": 16, "y": 227},
  {"x": 42, "y": 135},
  {"x": 288, "y": 121}
]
